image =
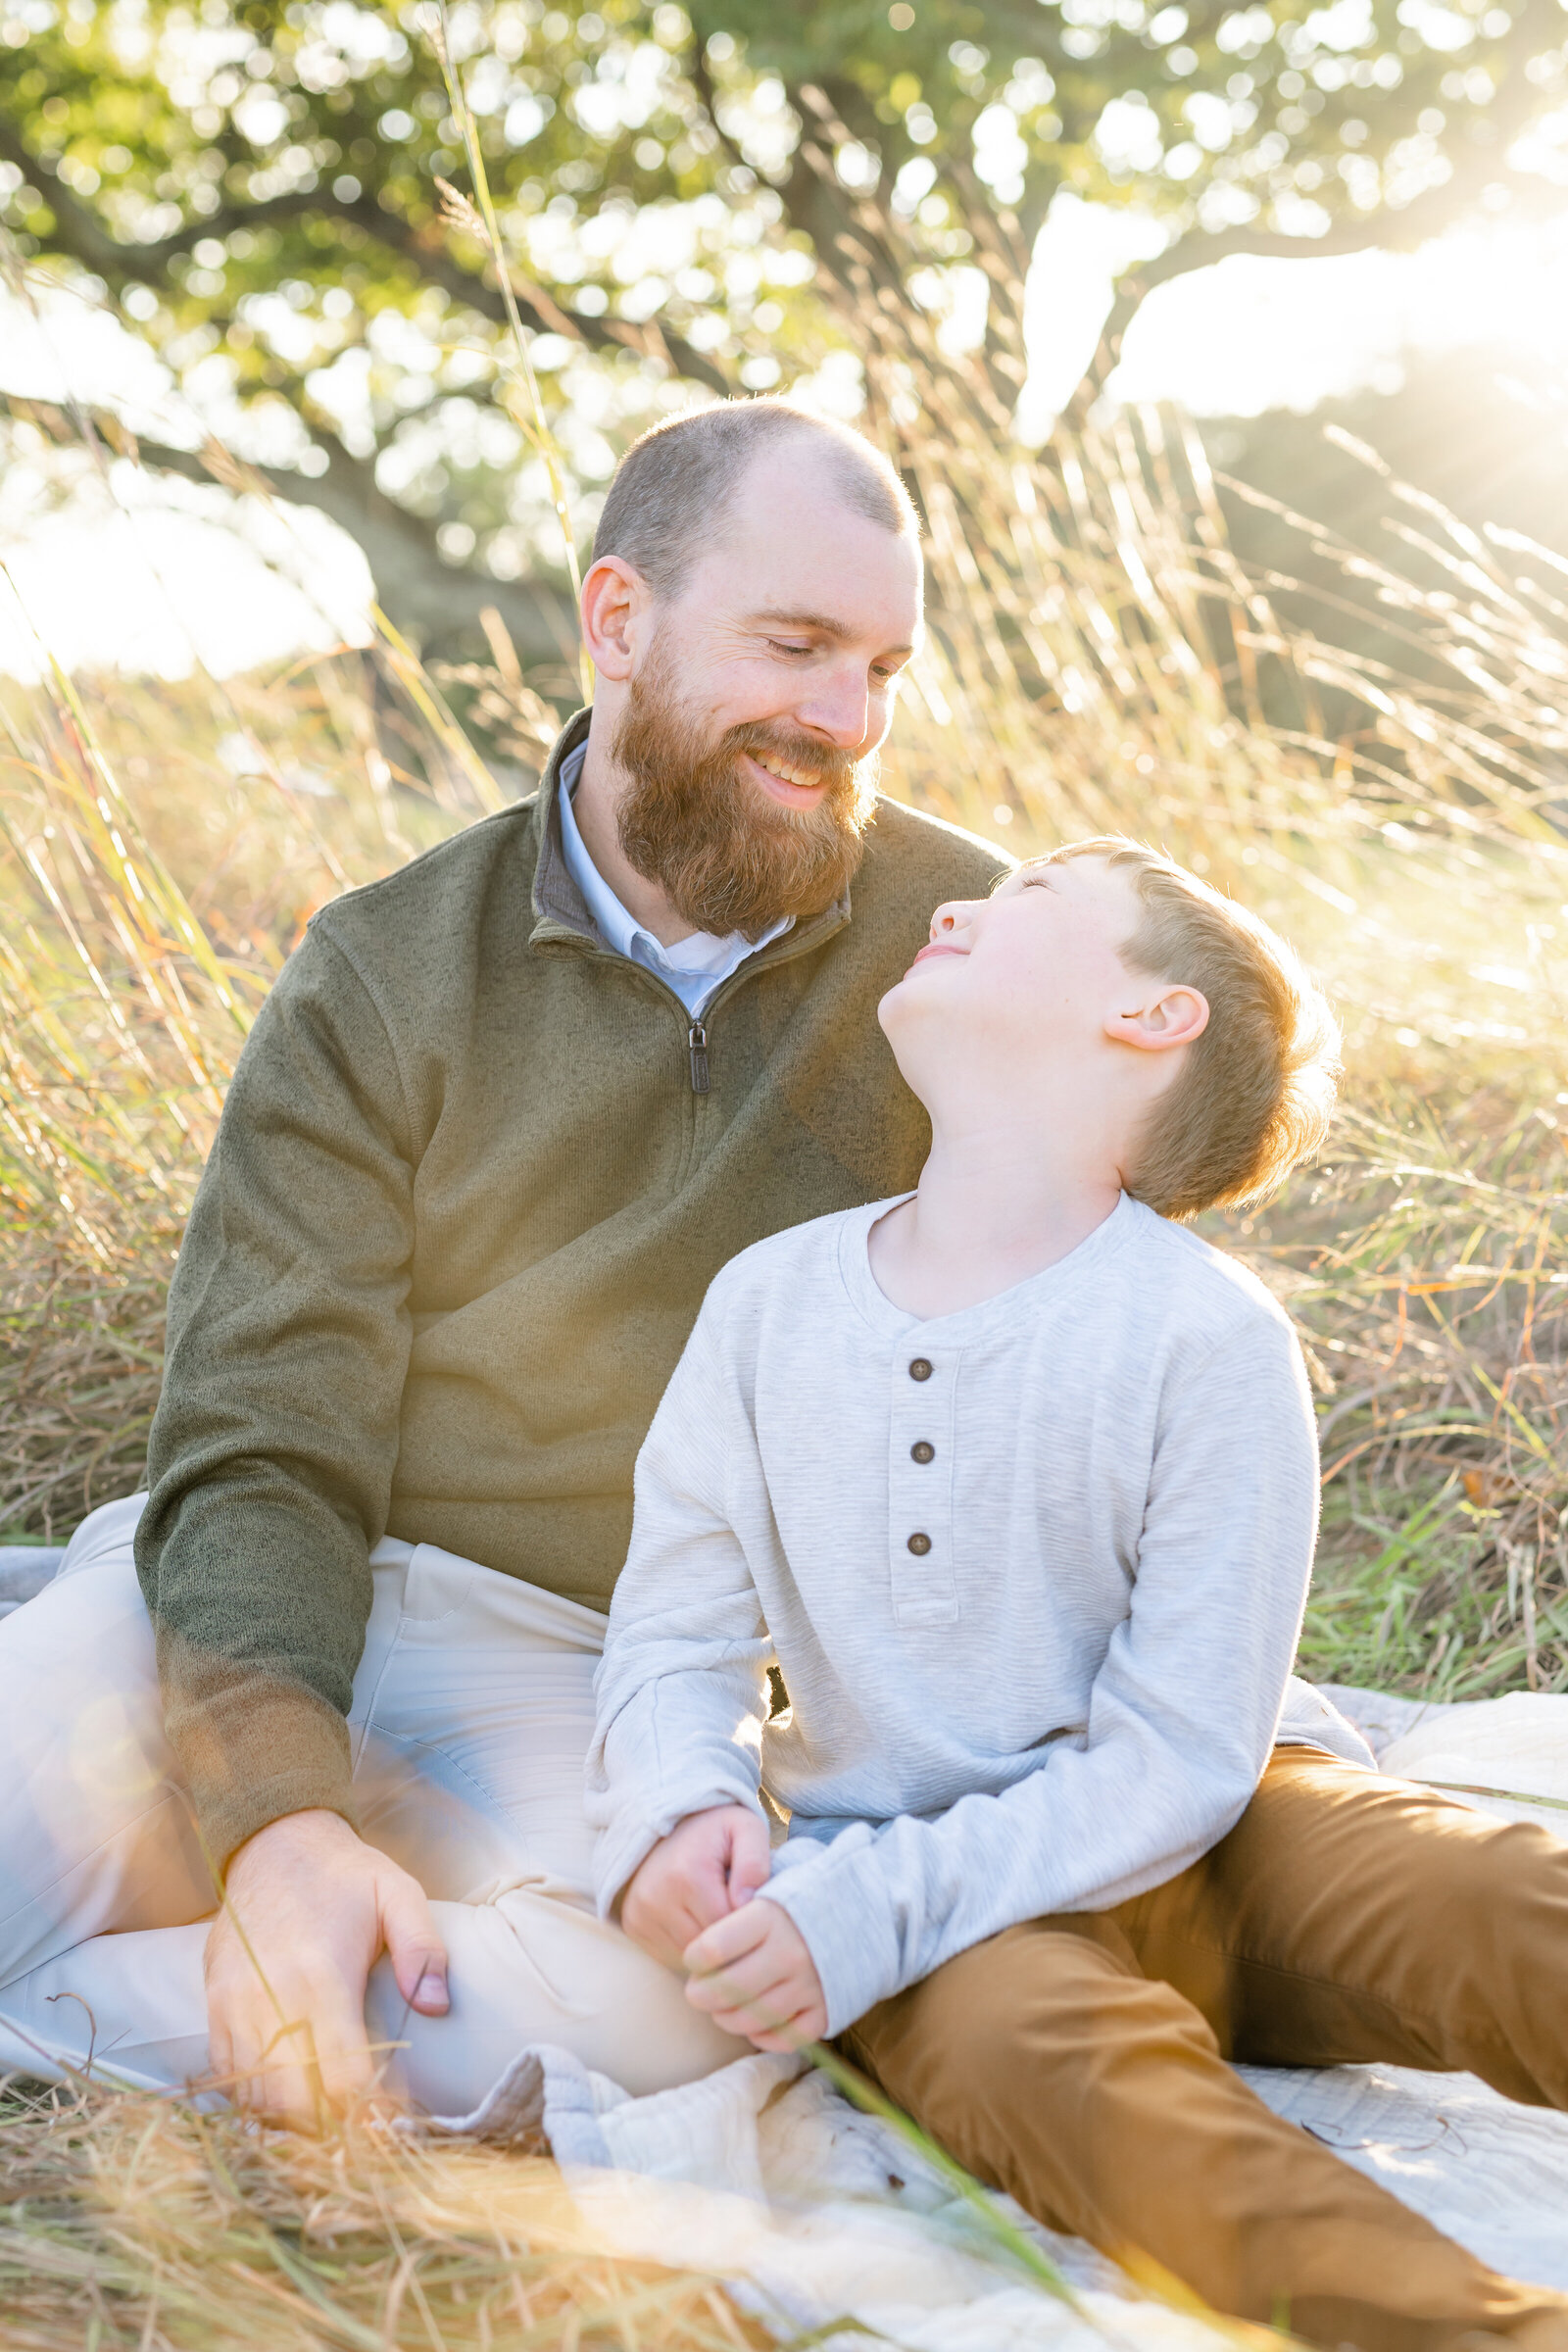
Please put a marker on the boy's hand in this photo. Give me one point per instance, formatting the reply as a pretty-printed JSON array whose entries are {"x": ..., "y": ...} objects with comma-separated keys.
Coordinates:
[
  {"x": 753, "y": 1974},
  {"x": 710, "y": 1863}
]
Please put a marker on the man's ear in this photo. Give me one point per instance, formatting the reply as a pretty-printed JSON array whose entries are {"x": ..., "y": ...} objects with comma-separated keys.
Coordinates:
[
  {"x": 614, "y": 599},
  {"x": 1167, "y": 1016}
]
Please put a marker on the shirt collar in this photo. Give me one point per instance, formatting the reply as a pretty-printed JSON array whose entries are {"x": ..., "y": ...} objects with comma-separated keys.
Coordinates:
[{"x": 703, "y": 952}]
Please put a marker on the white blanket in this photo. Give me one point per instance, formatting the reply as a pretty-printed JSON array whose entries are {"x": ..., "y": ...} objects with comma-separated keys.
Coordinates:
[{"x": 819, "y": 2215}]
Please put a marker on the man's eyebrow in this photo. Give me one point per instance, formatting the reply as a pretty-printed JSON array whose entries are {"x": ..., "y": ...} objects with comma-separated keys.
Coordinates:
[{"x": 822, "y": 623}]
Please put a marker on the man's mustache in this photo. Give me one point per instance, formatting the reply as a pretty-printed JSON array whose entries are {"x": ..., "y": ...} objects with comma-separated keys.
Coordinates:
[{"x": 813, "y": 762}]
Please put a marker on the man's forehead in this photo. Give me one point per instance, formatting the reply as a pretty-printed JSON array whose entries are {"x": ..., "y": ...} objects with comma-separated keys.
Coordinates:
[{"x": 806, "y": 558}]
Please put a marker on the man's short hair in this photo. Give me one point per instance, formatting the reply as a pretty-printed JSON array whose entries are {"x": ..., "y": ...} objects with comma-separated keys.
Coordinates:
[
  {"x": 1257, "y": 1095},
  {"x": 672, "y": 488}
]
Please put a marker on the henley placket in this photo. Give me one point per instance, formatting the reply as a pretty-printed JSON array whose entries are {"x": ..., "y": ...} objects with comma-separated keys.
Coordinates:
[{"x": 921, "y": 1565}]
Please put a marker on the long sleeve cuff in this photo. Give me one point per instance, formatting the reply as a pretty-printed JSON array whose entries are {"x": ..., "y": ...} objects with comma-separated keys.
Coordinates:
[
  {"x": 838, "y": 1900},
  {"x": 624, "y": 1844},
  {"x": 254, "y": 1752}
]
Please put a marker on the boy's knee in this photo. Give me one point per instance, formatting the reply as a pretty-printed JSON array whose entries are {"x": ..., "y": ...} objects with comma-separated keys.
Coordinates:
[{"x": 1068, "y": 2003}]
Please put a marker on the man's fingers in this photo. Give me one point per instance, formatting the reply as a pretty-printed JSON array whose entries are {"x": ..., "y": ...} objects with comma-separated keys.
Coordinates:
[
  {"x": 292, "y": 2050},
  {"x": 417, "y": 1953},
  {"x": 272, "y": 2075},
  {"x": 220, "y": 2051}
]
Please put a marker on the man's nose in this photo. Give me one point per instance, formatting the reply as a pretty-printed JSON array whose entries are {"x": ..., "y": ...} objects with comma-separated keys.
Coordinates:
[{"x": 838, "y": 707}]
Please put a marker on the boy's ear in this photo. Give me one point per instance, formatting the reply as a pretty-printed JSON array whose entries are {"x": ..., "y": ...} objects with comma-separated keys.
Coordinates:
[{"x": 1166, "y": 1017}]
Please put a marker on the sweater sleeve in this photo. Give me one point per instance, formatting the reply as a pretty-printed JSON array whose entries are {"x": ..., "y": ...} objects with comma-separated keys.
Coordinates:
[
  {"x": 271, "y": 1454},
  {"x": 682, "y": 1693},
  {"x": 1182, "y": 1714}
]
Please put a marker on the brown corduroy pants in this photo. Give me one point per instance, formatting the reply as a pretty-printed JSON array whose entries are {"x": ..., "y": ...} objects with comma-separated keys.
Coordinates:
[{"x": 1079, "y": 2061}]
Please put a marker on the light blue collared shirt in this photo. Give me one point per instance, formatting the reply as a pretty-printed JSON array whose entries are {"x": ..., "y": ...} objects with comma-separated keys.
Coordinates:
[{"x": 693, "y": 967}]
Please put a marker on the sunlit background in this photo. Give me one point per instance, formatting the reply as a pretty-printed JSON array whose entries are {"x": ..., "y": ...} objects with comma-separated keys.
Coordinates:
[
  {"x": 152, "y": 574},
  {"x": 138, "y": 569}
]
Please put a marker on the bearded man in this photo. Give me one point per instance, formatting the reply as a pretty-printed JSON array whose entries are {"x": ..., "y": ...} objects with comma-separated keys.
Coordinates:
[{"x": 502, "y": 1118}]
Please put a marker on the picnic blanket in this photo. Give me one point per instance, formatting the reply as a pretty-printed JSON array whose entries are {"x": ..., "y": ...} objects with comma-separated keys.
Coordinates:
[{"x": 822, "y": 2218}]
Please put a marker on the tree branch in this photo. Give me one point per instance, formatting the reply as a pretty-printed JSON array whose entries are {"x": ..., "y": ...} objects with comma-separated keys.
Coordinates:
[
  {"x": 80, "y": 233},
  {"x": 421, "y": 592},
  {"x": 1385, "y": 230}
]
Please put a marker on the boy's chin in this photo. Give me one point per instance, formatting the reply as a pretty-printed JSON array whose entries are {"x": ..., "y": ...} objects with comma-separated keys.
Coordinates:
[{"x": 915, "y": 1027}]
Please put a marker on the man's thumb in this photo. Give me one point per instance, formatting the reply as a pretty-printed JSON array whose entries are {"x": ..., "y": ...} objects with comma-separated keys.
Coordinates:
[
  {"x": 751, "y": 1860},
  {"x": 417, "y": 1953}
]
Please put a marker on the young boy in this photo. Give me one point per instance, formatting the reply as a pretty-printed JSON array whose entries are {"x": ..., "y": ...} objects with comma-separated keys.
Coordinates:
[{"x": 1017, "y": 1481}]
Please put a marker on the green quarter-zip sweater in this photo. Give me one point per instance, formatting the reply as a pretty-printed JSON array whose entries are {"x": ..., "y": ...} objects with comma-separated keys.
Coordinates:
[{"x": 474, "y": 1176}]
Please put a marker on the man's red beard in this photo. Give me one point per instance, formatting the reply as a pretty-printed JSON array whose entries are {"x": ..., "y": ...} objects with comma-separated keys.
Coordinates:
[{"x": 729, "y": 858}]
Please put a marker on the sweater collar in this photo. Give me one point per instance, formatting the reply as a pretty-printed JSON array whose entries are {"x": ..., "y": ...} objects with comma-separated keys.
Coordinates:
[
  {"x": 559, "y": 909},
  {"x": 558, "y": 903}
]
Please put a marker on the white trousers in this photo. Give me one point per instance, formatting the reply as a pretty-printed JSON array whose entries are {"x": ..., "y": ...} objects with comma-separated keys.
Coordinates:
[{"x": 472, "y": 1717}]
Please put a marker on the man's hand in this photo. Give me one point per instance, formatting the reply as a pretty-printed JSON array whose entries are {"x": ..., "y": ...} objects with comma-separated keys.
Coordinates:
[
  {"x": 710, "y": 1863},
  {"x": 308, "y": 1909},
  {"x": 753, "y": 1974}
]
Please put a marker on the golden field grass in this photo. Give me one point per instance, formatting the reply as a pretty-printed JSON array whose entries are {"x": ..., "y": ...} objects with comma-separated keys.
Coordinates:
[{"x": 1100, "y": 659}]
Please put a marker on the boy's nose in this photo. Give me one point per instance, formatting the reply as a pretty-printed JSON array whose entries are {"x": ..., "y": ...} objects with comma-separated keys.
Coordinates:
[{"x": 948, "y": 917}]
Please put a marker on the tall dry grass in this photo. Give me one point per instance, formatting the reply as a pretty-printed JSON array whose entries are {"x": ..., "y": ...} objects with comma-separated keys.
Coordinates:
[
  {"x": 1101, "y": 658},
  {"x": 161, "y": 849}
]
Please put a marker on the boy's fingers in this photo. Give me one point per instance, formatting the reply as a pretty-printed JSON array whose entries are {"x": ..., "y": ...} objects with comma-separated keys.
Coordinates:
[
  {"x": 782, "y": 2025},
  {"x": 730, "y": 1938},
  {"x": 703, "y": 1874},
  {"x": 750, "y": 1858},
  {"x": 759, "y": 1982}
]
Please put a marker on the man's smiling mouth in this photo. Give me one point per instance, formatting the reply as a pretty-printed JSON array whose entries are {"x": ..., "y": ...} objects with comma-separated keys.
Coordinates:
[
  {"x": 797, "y": 787},
  {"x": 776, "y": 766}
]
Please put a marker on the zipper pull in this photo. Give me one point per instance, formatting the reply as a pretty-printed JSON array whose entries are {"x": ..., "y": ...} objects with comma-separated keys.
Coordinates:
[{"x": 697, "y": 1046}]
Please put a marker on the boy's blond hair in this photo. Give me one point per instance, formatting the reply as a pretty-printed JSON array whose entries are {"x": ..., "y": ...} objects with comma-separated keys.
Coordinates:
[{"x": 1257, "y": 1095}]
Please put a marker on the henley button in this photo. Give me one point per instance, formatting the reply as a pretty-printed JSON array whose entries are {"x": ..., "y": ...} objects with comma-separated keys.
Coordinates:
[
  {"x": 919, "y": 1544},
  {"x": 920, "y": 1369},
  {"x": 922, "y": 1451}
]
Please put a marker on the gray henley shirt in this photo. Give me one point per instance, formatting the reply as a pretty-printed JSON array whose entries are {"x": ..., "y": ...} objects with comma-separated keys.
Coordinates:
[{"x": 1033, "y": 1574}]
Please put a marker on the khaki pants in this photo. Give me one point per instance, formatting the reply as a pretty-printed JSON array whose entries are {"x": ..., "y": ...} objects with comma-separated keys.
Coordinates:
[
  {"x": 473, "y": 1706},
  {"x": 1079, "y": 2062}
]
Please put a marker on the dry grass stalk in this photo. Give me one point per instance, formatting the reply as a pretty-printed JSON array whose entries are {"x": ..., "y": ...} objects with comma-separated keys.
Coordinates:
[
  {"x": 160, "y": 851},
  {"x": 131, "y": 2220}
]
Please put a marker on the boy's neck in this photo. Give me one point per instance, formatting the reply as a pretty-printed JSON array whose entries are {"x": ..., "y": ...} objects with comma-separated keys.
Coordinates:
[{"x": 994, "y": 1205}]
